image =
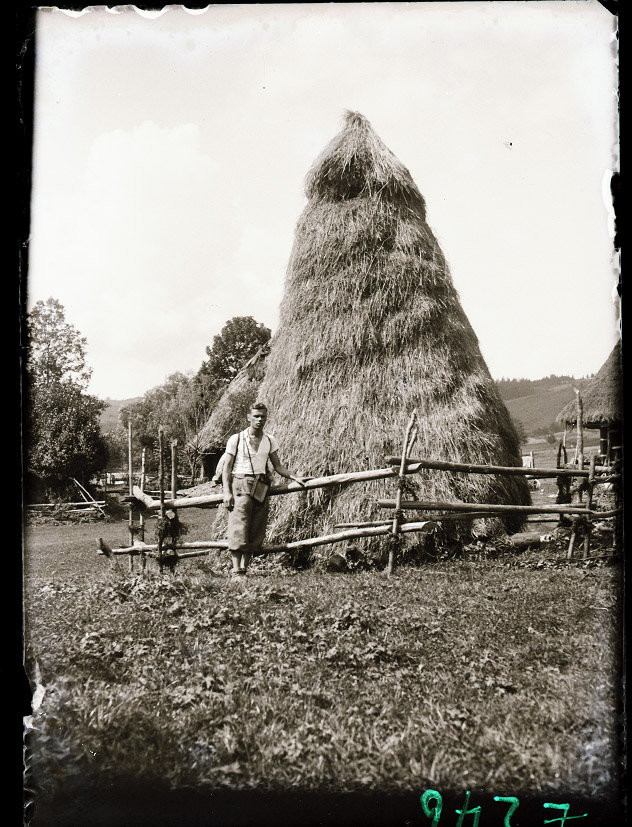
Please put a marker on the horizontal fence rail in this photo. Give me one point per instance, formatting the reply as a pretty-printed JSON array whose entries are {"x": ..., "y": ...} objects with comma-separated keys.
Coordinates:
[
  {"x": 214, "y": 500},
  {"x": 502, "y": 470},
  {"x": 426, "y": 505},
  {"x": 83, "y": 503},
  {"x": 397, "y": 467},
  {"x": 412, "y": 467},
  {"x": 203, "y": 546}
]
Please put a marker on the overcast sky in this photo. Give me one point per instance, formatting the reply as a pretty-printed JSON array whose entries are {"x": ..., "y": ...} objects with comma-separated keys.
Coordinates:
[{"x": 171, "y": 148}]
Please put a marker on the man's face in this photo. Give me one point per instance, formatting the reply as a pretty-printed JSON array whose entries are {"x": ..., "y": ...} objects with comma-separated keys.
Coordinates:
[{"x": 257, "y": 419}]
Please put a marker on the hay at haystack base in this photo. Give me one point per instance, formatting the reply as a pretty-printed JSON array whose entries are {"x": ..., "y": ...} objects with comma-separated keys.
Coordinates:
[{"x": 370, "y": 328}]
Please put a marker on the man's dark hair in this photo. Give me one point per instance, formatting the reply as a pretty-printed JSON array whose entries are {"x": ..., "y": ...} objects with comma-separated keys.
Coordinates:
[{"x": 259, "y": 406}]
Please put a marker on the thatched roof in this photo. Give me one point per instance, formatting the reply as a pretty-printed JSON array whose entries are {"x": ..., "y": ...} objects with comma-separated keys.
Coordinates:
[
  {"x": 601, "y": 398},
  {"x": 229, "y": 415},
  {"x": 370, "y": 328}
]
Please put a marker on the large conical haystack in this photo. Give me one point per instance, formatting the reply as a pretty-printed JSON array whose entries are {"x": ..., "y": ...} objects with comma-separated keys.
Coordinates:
[{"x": 371, "y": 328}]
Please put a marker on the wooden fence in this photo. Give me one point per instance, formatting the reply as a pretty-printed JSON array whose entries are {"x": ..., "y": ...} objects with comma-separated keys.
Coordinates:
[{"x": 581, "y": 514}]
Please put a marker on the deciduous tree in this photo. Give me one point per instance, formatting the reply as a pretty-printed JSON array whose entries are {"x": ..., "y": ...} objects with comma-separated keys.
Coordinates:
[
  {"x": 63, "y": 437},
  {"x": 183, "y": 402},
  {"x": 56, "y": 349},
  {"x": 239, "y": 340},
  {"x": 177, "y": 406}
]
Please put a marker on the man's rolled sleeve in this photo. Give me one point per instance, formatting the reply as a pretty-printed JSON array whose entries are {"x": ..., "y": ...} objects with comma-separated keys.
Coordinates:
[{"x": 231, "y": 445}]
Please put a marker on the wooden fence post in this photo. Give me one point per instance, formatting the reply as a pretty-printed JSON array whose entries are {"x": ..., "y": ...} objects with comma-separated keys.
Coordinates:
[
  {"x": 573, "y": 537},
  {"x": 161, "y": 477},
  {"x": 617, "y": 536},
  {"x": 398, "y": 495},
  {"x": 174, "y": 469},
  {"x": 580, "y": 430},
  {"x": 589, "y": 499},
  {"x": 130, "y": 520},
  {"x": 141, "y": 519},
  {"x": 579, "y": 459}
]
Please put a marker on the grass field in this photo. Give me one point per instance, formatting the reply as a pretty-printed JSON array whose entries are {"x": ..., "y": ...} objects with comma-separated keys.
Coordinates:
[{"x": 491, "y": 672}]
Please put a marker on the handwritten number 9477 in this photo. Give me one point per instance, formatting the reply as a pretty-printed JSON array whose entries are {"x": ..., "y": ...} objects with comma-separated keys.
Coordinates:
[{"x": 432, "y": 805}]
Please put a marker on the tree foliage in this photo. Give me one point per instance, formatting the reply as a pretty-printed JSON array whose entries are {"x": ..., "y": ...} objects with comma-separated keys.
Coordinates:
[
  {"x": 63, "y": 437},
  {"x": 183, "y": 402},
  {"x": 56, "y": 349},
  {"x": 177, "y": 406},
  {"x": 239, "y": 340},
  {"x": 116, "y": 445}
]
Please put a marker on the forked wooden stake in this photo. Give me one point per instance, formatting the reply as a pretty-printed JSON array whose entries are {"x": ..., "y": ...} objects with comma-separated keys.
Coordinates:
[{"x": 398, "y": 494}]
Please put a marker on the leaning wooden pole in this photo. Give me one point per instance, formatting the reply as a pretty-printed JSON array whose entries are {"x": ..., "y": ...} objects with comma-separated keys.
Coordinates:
[
  {"x": 398, "y": 495},
  {"x": 87, "y": 497},
  {"x": 214, "y": 500}
]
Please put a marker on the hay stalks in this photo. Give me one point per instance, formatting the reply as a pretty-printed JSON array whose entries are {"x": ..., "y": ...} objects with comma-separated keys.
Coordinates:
[{"x": 371, "y": 328}]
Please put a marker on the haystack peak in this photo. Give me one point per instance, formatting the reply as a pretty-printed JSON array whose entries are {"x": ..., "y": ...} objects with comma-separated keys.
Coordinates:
[
  {"x": 357, "y": 119},
  {"x": 357, "y": 163}
]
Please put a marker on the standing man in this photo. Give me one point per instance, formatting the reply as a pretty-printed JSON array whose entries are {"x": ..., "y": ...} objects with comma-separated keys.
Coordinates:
[{"x": 246, "y": 485}]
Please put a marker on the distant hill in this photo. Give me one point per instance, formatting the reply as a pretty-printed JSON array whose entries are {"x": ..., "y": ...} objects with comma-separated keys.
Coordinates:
[
  {"x": 110, "y": 416},
  {"x": 537, "y": 402},
  {"x": 534, "y": 402}
]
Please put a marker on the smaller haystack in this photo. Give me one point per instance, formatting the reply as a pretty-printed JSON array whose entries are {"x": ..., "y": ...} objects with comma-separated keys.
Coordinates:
[
  {"x": 602, "y": 404},
  {"x": 229, "y": 415}
]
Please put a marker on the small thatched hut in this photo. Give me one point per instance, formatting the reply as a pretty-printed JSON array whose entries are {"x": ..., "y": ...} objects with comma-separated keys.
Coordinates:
[
  {"x": 370, "y": 328},
  {"x": 602, "y": 405},
  {"x": 229, "y": 415}
]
